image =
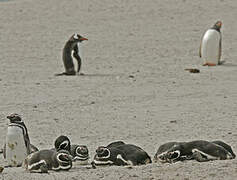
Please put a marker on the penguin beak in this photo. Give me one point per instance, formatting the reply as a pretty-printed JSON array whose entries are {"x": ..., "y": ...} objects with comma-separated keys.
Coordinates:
[
  {"x": 83, "y": 39},
  {"x": 219, "y": 24}
]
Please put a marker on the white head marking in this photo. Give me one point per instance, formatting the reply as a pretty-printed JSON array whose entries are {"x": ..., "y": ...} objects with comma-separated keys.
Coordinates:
[{"x": 75, "y": 36}]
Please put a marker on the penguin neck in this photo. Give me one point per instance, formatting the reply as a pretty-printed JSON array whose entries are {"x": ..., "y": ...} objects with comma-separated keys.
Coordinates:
[{"x": 216, "y": 28}]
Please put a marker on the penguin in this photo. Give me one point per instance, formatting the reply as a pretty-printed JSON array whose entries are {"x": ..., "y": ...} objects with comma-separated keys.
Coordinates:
[
  {"x": 110, "y": 156},
  {"x": 119, "y": 153},
  {"x": 70, "y": 50},
  {"x": 160, "y": 155},
  {"x": 80, "y": 154},
  {"x": 17, "y": 145},
  {"x": 62, "y": 143},
  {"x": 44, "y": 160},
  {"x": 200, "y": 150},
  {"x": 211, "y": 45}
]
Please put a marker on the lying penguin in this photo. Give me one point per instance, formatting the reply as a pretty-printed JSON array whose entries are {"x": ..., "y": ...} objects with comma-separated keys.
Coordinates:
[
  {"x": 17, "y": 145},
  {"x": 79, "y": 153},
  {"x": 199, "y": 150},
  {"x": 70, "y": 51},
  {"x": 121, "y": 154},
  {"x": 163, "y": 149},
  {"x": 44, "y": 160}
]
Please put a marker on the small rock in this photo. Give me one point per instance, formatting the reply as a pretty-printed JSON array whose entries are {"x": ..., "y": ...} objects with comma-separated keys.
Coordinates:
[
  {"x": 173, "y": 121},
  {"x": 131, "y": 76},
  {"x": 191, "y": 70}
]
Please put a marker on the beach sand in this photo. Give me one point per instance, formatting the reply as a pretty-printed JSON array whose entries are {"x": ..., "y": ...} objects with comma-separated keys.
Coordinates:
[{"x": 135, "y": 88}]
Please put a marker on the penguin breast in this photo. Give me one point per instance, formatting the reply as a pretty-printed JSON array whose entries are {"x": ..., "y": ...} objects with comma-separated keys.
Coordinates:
[
  {"x": 210, "y": 46},
  {"x": 15, "y": 146}
]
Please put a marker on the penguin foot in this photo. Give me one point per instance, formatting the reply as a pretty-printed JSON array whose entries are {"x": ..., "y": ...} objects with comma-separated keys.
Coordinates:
[
  {"x": 209, "y": 64},
  {"x": 66, "y": 74},
  {"x": 221, "y": 62},
  {"x": 93, "y": 165},
  {"x": 44, "y": 168}
]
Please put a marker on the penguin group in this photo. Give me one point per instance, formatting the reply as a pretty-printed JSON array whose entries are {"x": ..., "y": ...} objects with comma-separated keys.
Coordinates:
[
  {"x": 58, "y": 158},
  {"x": 198, "y": 150},
  {"x": 210, "y": 50},
  {"x": 18, "y": 151}
]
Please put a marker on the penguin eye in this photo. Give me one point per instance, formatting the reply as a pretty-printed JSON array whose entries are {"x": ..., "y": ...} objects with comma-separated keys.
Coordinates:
[{"x": 173, "y": 155}]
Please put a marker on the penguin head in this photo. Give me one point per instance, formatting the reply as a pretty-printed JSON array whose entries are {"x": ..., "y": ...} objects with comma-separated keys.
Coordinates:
[
  {"x": 102, "y": 152},
  {"x": 14, "y": 118},
  {"x": 217, "y": 25},
  {"x": 64, "y": 159},
  {"x": 62, "y": 143},
  {"x": 77, "y": 38},
  {"x": 172, "y": 155},
  {"x": 82, "y": 150}
]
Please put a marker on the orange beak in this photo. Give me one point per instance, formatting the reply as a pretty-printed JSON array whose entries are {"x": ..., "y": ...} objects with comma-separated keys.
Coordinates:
[
  {"x": 219, "y": 23},
  {"x": 83, "y": 39}
]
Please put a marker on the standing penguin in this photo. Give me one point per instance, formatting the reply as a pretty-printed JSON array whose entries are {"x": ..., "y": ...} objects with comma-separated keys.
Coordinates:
[
  {"x": 70, "y": 49},
  {"x": 17, "y": 145},
  {"x": 210, "y": 47}
]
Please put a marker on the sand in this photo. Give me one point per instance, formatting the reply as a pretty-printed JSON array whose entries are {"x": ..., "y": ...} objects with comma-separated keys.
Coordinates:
[{"x": 135, "y": 88}]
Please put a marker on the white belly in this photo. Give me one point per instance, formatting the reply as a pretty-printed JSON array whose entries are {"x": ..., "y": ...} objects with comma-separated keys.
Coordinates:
[
  {"x": 15, "y": 146},
  {"x": 210, "y": 46}
]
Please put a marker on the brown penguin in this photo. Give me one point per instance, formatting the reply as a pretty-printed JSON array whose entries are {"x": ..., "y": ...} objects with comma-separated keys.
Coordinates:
[{"x": 72, "y": 46}]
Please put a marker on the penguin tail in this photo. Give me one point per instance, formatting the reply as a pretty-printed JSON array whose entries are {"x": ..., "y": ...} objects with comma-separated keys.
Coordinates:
[{"x": 221, "y": 62}]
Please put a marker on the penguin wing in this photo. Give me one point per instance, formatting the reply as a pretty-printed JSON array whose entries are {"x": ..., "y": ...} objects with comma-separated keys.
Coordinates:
[
  {"x": 200, "y": 48},
  {"x": 77, "y": 56},
  {"x": 4, "y": 151},
  {"x": 220, "y": 47}
]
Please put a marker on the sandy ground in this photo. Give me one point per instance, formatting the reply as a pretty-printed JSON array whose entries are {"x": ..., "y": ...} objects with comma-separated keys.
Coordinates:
[{"x": 154, "y": 41}]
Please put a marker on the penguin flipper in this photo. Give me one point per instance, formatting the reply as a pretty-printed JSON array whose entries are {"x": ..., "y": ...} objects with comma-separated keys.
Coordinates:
[
  {"x": 77, "y": 57},
  {"x": 199, "y": 157},
  {"x": 219, "y": 52},
  {"x": 200, "y": 53},
  {"x": 3, "y": 151},
  {"x": 200, "y": 47},
  {"x": 33, "y": 148}
]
